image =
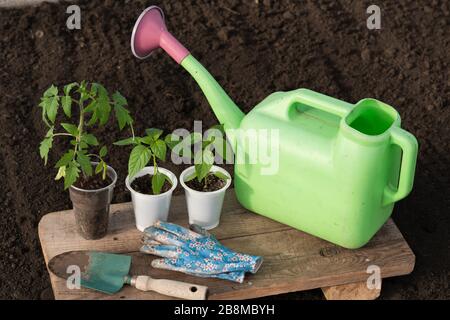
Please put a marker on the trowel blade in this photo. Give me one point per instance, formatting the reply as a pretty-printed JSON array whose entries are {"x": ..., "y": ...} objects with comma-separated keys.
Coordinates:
[{"x": 104, "y": 272}]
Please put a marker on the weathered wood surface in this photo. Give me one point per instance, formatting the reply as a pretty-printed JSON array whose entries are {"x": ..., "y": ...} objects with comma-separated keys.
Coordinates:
[
  {"x": 293, "y": 260},
  {"x": 351, "y": 291}
]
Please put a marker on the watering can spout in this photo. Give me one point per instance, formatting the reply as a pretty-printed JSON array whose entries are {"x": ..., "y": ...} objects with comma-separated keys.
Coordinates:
[
  {"x": 224, "y": 108},
  {"x": 150, "y": 33}
]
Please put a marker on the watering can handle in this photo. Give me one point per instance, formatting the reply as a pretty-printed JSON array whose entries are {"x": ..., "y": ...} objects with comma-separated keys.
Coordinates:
[
  {"x": 408, "y": 143},
  {"x": 320, "y": 101}
]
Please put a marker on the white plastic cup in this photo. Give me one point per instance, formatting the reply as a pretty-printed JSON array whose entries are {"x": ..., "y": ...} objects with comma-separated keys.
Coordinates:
[
  {"x": 204, "y": 208},
  {"x": 150, "y": 208}
]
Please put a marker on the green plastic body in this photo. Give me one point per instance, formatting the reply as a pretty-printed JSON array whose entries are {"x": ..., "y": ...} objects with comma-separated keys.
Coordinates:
[{"x": 341, "y": 167}]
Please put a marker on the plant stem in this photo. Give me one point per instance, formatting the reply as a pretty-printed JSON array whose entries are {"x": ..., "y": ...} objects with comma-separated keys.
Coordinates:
[
  {"x": 80, "y": 127},
  {"x": 154, "y": 164},
  {"x": 132, "y": 130},
  {"x": 63, "y": 134}
]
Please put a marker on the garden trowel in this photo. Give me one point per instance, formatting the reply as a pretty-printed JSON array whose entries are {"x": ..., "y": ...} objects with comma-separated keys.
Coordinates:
[{"x": 107, "y": 273}]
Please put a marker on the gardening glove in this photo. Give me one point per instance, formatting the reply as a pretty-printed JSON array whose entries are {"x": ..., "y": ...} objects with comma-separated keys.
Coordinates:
[{"x": 196, "y": 253}]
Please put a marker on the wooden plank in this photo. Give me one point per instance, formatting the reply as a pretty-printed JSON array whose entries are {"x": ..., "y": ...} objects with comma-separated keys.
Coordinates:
[
  {"x": 351, "y": 291},
  {"x": 293, "y": 260}
]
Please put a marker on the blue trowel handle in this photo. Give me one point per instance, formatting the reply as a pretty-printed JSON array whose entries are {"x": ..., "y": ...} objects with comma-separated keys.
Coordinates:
[{"x": 170, "y": 288}]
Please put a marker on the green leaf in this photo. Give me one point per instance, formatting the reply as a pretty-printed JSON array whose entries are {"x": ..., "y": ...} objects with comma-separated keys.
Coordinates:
[
  {"x": 103, "y": 110},
  {"x": 184, "y": 148},
  {"x": 147, "y": 140},
  {"x": 90, "y": 139},
  {"x": 159, "y": 149},
  {"x": 91, "y": 107},
  {"x": 119, "y": 99},
  {"x": 105, "y": 168},
  {"x": 83, "y": 84},
  {"x": 93, "y": 90},
  {"x": 203, "y": 163},
  {"x": 220, "y": 175},
  {"x": 139, "y": 157},
  {"x": 65, "y": 159},
  {"x": 103, "y": 151},
  {"x": 83, "y": 145},
  {"x": 123, "y": 116},
  {"x": 99, "y": 107},
  {"x": 94, "y": 119},
  {"x": 208, "y": 157},
  {"x": 71, "y": 175},
  {"x": 207, "y": 143},
  {"x": 61, "y": 173},
  {"x": 99, "y": 167},
  {"x": 70, "y": 128},
  {"x": 179, "y": 145},
  {"x": 103, "y": 106},
  {"x": 46, "y": 145},
  {"x": 158, "y": 180},
  {"x": 49, "y": 106},
  {"x": 66, "y": 103},
  {"x": 191, "y": 177},
  {"x": 193, "y": 138},
  {"x": 126, "y": 142},
  {"x": 85, "y": 163},
  {"x": 44, "y": 148},
  {"x": 154, "y": 133},
  {"x": 51, "y": 92},
  {"x": 82, "y": 89},
  {"x": 49, "y": 133},
  {"x": 49, "y": 103},
  {"x": 68, "y": 88},
  {"x": 172, "y": 140}
]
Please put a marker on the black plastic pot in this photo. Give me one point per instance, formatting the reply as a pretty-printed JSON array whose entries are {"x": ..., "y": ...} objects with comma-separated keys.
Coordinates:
[{"x": 91, "y": 208}]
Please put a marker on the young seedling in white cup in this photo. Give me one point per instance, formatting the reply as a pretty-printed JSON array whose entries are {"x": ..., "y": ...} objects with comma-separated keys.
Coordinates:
[
  {"x": 151, "y": 187},
  {"x": 204, "y": 183},
  {"x": 83, "y": 167}
]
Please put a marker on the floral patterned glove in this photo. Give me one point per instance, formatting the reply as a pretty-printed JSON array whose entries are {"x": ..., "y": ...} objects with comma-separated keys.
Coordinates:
[{"x": 198, "y": 254}]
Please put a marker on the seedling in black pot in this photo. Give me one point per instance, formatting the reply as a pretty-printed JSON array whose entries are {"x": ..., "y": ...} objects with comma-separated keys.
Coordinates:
[{"x": 83, "y": 166}]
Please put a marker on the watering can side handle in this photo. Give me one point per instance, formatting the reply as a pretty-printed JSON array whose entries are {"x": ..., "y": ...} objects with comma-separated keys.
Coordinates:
[
  {"x": 408, "y": 143},
  {"x": 320, "y": 101}
]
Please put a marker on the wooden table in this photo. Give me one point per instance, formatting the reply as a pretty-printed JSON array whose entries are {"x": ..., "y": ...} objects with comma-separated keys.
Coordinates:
[{"x": 293, "y": 260}]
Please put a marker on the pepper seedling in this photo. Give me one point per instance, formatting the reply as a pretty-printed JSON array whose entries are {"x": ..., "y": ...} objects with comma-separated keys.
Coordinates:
[
  {"x": 94, "y": 107},
  {"x": 204, "y": 156},
  {"x": 149, "y": 147}
]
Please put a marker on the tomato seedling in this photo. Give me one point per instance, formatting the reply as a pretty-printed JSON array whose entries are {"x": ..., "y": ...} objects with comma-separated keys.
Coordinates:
[
  {"x": 203, "y": 157},
  {"x": 94, "y": 108},
  {"x": 149, "y": 147}
]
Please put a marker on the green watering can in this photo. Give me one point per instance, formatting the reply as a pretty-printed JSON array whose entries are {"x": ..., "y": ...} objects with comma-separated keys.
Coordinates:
[{"x": 340, "y": 167}]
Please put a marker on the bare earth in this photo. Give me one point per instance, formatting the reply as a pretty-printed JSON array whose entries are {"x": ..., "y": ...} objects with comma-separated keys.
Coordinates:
[{"x": 253, "y": 48}]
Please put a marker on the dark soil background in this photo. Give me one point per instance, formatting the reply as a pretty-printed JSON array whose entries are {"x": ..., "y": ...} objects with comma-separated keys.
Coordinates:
[{"x": 253, "y": 48}]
